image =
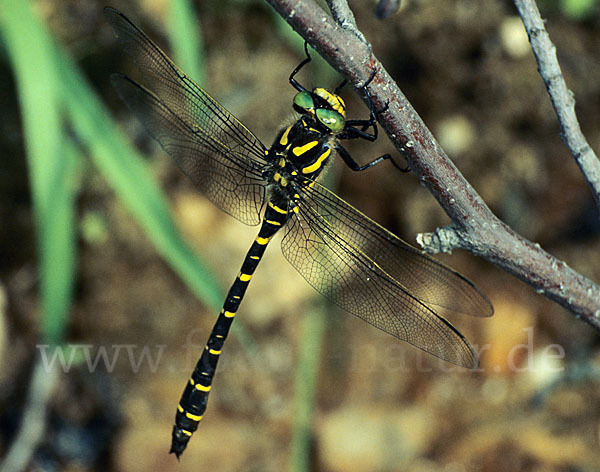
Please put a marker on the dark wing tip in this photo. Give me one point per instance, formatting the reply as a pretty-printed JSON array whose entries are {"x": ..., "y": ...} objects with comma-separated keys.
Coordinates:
[
  {"x": 470, "y": 300},
  {"x": 121, "y": 25},
  {"x": 111, "y": 14},
  {"x": 465, "y": 354},
  {"x": 484, "y": 303}
]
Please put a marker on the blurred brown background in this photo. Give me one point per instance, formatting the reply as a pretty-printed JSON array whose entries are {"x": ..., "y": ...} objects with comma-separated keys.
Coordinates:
[{"x": 380, "y": 405}]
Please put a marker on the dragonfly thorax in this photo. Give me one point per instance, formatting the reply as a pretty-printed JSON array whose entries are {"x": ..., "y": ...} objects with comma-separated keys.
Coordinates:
[{"x": 299, "y": 153}]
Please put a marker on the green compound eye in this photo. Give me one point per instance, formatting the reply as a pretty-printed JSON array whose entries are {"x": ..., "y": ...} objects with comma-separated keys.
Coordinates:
[
  {"x": 304, "y": 101},
  {"x": 332, "y": 119}
]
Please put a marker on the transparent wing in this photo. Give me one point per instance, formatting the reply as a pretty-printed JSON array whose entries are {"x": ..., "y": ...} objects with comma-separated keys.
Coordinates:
[
  {"x": 221, "y": 156},
  {"x": 374, "y": 275}
]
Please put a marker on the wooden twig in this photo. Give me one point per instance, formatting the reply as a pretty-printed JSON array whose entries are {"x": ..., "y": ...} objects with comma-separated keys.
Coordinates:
[
  {"x": 342, "y": 15},
  {"x": 474, "y": 227},
  {"x": 561, "y": 97}
]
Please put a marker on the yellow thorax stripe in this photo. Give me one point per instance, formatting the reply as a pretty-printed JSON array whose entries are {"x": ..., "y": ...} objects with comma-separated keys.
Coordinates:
[
  {"x": 318, "y": 163},
  {"x": 299, "y": 150},
  {"x": 284, "y": 137}
]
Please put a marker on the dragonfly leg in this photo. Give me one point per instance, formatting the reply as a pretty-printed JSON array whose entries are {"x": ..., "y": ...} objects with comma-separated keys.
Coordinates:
[
  {"x": 339, "y": 88},
  {"x": 358, "y": 129},
  {"x": 297, "y": 85},
  {"x": 353, "y": 165}
]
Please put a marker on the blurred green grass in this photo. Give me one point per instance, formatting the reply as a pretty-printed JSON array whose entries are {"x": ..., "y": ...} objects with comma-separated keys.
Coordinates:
[
  {"x": 51, "y": 169},
  {"x": 578, "y": 9}
]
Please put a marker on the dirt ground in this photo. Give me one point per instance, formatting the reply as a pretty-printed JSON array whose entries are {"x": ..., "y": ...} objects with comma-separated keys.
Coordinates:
[{"x": 534, "y": 403}]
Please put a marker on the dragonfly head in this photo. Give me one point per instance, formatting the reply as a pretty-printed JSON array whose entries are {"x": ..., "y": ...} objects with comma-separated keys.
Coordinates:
[{"x": 328, "y": 108}]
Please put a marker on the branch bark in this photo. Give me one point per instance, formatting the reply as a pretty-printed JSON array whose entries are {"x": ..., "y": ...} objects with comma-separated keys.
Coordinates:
[
  {"x": 474, "y": 227},
  {"x": 561, "y": 97}
]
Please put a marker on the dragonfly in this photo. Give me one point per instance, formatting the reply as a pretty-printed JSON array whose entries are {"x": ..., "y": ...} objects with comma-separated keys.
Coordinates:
[{"x": 350, "y": 259}]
